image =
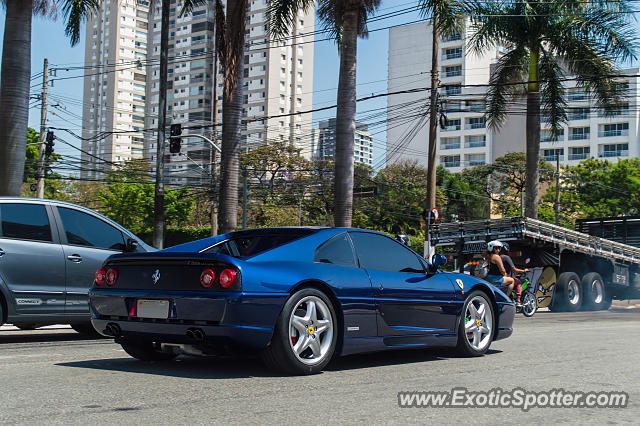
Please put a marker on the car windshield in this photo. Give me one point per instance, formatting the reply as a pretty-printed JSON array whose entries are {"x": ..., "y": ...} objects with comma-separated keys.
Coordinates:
[{"x": 251, "y": 245}]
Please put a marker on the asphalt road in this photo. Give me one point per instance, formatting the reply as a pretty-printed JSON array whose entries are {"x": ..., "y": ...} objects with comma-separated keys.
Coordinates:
[{"x": 54, "y": 376}]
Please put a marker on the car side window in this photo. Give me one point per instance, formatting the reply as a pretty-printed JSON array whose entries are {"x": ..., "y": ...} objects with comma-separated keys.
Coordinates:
[
  {"x": 381, "y": 253},
  {"x": 25, "y": 221},
  {"x": 83, "y": 229},
  {"x": 336, "y": 251}
]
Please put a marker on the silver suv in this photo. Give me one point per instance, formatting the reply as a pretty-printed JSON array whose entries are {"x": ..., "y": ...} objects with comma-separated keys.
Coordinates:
[{"x": 49, "y": 252}]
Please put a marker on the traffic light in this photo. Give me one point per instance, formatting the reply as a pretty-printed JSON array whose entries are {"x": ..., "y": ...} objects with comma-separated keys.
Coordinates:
[
  {"x": 174, "y": 138},
  {"x": 48, "y": 150}
]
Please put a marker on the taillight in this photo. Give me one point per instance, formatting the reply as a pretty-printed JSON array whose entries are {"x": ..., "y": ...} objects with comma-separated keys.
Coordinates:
[
  {"x": 112, "y": 276},
  {"x": 207, "y": 277},
  {"x": 101, "y": 275},
  {"x": 227, "y": 278}
]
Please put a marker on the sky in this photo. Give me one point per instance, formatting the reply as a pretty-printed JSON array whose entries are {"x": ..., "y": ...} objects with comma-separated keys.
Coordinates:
[{"x": 49, "y": 41}]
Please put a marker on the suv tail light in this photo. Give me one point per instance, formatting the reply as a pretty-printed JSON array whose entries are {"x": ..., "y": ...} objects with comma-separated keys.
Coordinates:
[
  {"x": 112, "y": 276},
  {"x": 101, "y": 275},
  {"x": 227, "y": 278},
  {"x": 207, "y": 277}
]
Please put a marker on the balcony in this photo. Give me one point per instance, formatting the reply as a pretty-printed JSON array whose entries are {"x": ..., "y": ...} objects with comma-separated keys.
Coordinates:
[
  {"x": 475, "y": 144},
  {"x": 450, "y": 164},
  {"x": 450, "y": 146},
  {"x": 610, "y": 154},
  {"x": 552, "y": 158},
  {"x": 613, "y": 133},
  {"x": 475, "y": 126},
  {"x": 574, "y": 157},
  {"x": 578, "y": 136}
]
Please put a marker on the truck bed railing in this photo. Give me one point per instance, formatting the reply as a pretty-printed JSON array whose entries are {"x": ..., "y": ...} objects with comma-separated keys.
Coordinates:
[{"x": 447, "y": 234}]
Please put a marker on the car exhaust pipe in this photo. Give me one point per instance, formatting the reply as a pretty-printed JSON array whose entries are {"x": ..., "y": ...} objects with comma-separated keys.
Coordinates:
[
  {"x": 198, "y": 334},
  {"x": 112, "y": 329},
  {"x": 195, "y": 334}
]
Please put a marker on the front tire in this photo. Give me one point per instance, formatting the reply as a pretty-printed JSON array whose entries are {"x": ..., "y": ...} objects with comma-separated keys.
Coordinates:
[
  {"x": 594, "y": 292},
  {"x": 529, "y": 304},
  {"x": 146, "y": 351},
  {"x": 477, "y": 323},
  {"x": 305, "y": 336}
]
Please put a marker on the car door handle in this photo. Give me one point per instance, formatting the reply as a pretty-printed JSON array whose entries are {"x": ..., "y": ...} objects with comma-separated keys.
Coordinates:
[{"x": 75, "y": 258}]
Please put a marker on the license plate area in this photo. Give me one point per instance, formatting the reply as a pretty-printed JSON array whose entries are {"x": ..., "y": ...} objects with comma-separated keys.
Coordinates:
[{"x": 151, "y": 308}]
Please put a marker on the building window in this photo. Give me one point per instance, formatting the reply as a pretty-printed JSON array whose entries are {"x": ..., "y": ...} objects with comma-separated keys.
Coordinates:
[
  {"x": 453, "y": 89},
  {"x": 450, "y": 143},
  {"x": 553, "y": 154},
  {"x": 611, "y": 130},
  {"x": 475, "y": 123},
  {"x": 450, "y": 125},
  {"x": 453, "y": 71},
  {"x": 475, "y": 160},
  {"x": 546, "y": 136},
  {"x": 450, "y": 160},
  {"x": 475, "y": 141},
  {"x": 614, "y": 150},
  {"x": 579, "y": 153},
  {"x": 453, "y": 53},
  {"x": 578, "y": 113},
  {"x": 579, "y": 133}
]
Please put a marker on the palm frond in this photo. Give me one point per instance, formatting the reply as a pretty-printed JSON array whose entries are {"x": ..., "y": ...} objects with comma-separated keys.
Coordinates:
[
  {"x": 554, "y": 105},
  {"x": 75, "y": 12},
  {"x": 493, "y": 24},
  {"x": 450, "y": 14},
  {"x": 221, "y": 39},
  {"x": 189, "y": 5},
  {"x": 281, "y": 16},
  {"x": 510, "y": 69},
  {"x": 46, "y": 8}
]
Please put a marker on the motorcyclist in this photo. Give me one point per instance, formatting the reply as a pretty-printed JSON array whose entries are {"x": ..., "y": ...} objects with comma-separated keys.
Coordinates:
[
  {"x": 511, "y": 268},
  {"x": 497, "y": 273}
]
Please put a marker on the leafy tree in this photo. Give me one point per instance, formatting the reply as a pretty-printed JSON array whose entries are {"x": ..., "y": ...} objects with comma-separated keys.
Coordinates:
[
  {"x": 16, "y": 77},
  {"x": 595, "y": 188},
  {"x": 346, "y": 20},
  {"x": 128, "y": 198},
  {"x": 544, "y": 40},
  {"x": 54, "y": 185}
]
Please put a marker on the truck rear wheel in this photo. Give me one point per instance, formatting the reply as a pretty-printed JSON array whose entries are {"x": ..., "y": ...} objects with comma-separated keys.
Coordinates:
[
  {"x": 594, "y": 292},
  {"x": 568, "y": 295}
]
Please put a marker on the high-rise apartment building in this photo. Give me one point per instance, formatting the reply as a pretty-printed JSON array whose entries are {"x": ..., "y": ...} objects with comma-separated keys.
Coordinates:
[
  {"x": 463, "y": 140},
  {"x": 114, "y": 86},
  {"x": 325, "y": 142},
  {"x": 278, "y": 82}
]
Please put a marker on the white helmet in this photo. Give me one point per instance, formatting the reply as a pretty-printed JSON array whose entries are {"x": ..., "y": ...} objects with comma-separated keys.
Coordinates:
[{"x": 493, "y": 244}]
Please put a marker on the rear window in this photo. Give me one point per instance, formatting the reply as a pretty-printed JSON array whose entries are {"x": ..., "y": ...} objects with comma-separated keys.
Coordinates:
[{"x": 251, "y": 245}]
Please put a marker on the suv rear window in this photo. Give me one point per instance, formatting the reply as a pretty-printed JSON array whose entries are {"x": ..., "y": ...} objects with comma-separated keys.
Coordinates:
[{"x": 251, "y": 245}]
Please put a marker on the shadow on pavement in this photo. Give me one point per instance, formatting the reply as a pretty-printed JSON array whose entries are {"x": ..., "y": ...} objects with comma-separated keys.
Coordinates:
[
  {"x": 251, "y": 366},
  {"x": 38, "y": 337}
]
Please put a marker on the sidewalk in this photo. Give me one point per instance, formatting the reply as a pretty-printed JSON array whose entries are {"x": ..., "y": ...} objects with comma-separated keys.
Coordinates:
[{"x": 625, "y": 305}]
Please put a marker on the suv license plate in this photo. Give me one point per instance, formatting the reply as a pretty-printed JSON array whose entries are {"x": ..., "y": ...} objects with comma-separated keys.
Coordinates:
[{"x": 153, "y": 308}]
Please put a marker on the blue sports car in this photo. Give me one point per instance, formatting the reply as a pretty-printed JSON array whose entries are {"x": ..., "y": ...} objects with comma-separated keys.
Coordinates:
[{"x": 299, "y": 296}]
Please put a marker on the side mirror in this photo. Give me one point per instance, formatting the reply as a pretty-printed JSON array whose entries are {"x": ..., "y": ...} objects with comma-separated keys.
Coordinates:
[
  {"x": 132, "y": 245},
  {"x": 438, "y": 260}
]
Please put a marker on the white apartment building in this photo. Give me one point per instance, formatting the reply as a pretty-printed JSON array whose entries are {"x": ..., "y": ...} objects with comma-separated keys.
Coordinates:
[
  {"x": 278, "y": 80},
  {"x": 325, "y": 142},
  {"x": 587, "y": 133},
  {"x": 114, "y": 85},
  {"x": 464, "y": 141}
]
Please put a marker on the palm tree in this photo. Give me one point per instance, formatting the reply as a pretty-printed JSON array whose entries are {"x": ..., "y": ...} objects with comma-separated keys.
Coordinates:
[
  {"x": 546, "y": 41},
  {"x": 230, "y": 32},
  {"x": 16, "y": 76},
  {"x": 345, "y": 20}
]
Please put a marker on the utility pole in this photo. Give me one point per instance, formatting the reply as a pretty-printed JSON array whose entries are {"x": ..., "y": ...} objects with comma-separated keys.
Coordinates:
[
  {"x": 158, "y": 213},
  {"x": 244, "y": 198},
  {"x": 557, "y": 205},
  {"x": 433, "y": 127},
  {"x": 41, "y": 170}
]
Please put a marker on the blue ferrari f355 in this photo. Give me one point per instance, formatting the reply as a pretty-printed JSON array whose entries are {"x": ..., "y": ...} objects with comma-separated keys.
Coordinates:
[{"x": 299, "y": 296}]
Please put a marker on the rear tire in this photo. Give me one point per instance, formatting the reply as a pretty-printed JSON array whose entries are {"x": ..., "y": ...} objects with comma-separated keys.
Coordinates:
[
  {"x": 568, "y": 295},
  {"x": 594, "y": 292},
  {"x": 476, "y": 328},
  {"x": 305, "y": 335},
  {"x": 146, "y": 351},
  {"x": 529, "y": 304}
]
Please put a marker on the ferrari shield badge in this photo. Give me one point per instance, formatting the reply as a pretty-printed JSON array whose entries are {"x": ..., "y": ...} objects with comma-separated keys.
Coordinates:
[{"x": 460, "y": 283}]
